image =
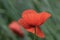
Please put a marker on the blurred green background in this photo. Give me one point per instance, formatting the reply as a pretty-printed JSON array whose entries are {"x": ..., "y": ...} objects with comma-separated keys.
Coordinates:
[{"x": 11, "y": 10}]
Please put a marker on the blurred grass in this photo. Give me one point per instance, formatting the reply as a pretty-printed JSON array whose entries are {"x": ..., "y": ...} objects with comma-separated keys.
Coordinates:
[{"x": 11, "y": 10}]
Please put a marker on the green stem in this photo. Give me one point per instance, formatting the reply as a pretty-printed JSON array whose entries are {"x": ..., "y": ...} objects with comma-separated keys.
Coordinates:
[{"x": 35, "y": 33}]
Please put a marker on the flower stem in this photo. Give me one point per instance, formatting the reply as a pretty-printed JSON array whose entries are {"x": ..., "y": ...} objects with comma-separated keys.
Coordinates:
[{"x": 35, "y": 33}]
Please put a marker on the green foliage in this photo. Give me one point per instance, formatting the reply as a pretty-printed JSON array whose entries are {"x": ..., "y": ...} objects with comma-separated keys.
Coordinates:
[{"x": 11, "y": 10}]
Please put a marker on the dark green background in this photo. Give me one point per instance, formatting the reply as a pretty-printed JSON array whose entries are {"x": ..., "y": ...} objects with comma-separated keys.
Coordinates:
[{"x": 11, "y": 10}]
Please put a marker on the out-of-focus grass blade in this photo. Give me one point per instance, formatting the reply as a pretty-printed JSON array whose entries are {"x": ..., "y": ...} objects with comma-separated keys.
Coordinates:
[
  {"x": 4, "y": 27},
  {"x": 25, "y": 34},
  {"x": 48, "y": 35},
  {"x": 10, "y": 9},
  {"x": 2, "y": 11},
  {"x": 53, "y": 30},
  {"x": 8, "y": 32}
]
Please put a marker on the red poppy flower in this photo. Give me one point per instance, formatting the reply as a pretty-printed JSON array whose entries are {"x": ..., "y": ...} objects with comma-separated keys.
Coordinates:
[
  {"x": 15, "y": 27},
  {"x": 31, "y": 19}
]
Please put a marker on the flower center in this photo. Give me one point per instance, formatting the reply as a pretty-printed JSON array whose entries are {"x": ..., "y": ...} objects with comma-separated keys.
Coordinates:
[{"x": 32, "y": 25}]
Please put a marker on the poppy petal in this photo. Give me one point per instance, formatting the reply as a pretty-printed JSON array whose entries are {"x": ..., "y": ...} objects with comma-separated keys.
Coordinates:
[
  {"x": 23, "y": 23},
  {"x": 29, "y": 16},
  {"x": 43, "y": 17},
  {"x": 31, "y": 11},
  {"x": 31, "y": 30},
  {"x": 15, "y": 27},
  {"x": 39, "y": 33}
]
